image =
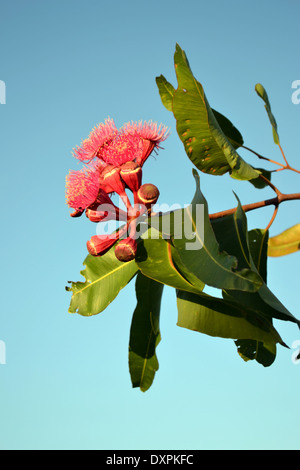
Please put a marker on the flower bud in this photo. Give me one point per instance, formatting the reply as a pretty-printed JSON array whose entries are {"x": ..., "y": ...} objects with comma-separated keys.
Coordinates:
[
  {"x": 126, "y": 249},
  {"x": 104, "y": 208},
  {"x": 98, "y": 245},
  {"x": 77, "y": 213},
  {"x": 110, "y": 180},
  {"x": 96, "y": 216},
  {"x": 148, "y": 194},
  {"x": 131, "y": 174}
]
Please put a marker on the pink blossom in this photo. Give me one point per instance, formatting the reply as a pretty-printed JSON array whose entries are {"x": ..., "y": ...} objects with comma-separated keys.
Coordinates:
[
  {"x": 82, "y": 188},
  {"x": 99, "y": 137},
  {"x": 133, "y": 142}
]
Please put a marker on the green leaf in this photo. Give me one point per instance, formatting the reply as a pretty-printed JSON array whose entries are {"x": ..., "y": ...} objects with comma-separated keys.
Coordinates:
[
  {"x": 285, "y": 243},
  {"x": 198, "y": 251},
  {"x": 263, "y": 353},
  {"x": 264, "y": 96},
  {"x": 254, "y": 254},
  {"x": 259, "y": 183},
  {"x": 155, "y": 260},
  {"x": 263, "y": 300},
  {"x": 258, "y": 245},
  {"x": 216, "y": 317},
  {"x": 166, "y": 91},
  {"x": 144, "y": 333},
  {"x": 105, "y": 277},
  {"x": 205, "y": 143},
  {"x": 231, "y": 132}
]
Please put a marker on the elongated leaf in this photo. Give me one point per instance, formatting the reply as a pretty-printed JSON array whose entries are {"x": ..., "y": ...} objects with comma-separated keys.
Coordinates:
[
  {"x": 144, "y": 333},
  {"x": 264, "y": 353},
  {"x": 105, "y": 277},
  {"x": 199, "y": 252},
  {"x": 263, "y": 300},
  {"x": 205, "y": 143},
  {"x": 167, "y": 91},
  {"x": 258, "y": 246},
  {"x": 260, "y": 90},
  {"x": 228, "y": 319},
  {"x": 285, "y": 243},
  {"x": 155, "y": 260},
  {"x": 216, "y": 317},
  {"x": 253, "y": 252}
]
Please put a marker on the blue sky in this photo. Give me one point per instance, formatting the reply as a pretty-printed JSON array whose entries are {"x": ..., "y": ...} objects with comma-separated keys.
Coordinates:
[{"x": 68, "y": 65}]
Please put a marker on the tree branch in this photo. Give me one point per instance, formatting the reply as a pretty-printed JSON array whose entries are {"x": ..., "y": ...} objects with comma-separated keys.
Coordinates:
[{"x": 275, "y": 201}]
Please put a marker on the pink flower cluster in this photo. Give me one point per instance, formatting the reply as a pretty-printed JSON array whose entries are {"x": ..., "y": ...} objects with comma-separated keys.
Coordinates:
[{"x": 113, "y": 163}]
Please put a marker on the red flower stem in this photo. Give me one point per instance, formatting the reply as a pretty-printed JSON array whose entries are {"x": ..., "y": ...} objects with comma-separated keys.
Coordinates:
[
  {"x": 126, "y": 200},
  {"x": 136, "y": 199},
  {"x": 132, "y": 228},
  {"x": 121, "y": 215}
]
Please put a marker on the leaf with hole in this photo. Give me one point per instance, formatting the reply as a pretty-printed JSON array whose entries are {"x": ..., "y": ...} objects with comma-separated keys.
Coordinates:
[
  {"x": 204, "y": 141},
  {"x": 167, "y": 91}
]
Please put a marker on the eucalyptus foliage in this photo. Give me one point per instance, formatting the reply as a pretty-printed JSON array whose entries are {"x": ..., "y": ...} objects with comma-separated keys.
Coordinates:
[{"x": 230, "y": 258}]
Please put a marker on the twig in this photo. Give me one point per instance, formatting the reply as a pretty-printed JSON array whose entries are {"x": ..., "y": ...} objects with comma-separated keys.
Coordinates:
[
  {"x": 273, "y": 217},
  {"x": 261, "y": 157},
  {"x": 268, "y": 182},
  {"x": 284, "y": 157},
  {"x": 287, "y": 166}
]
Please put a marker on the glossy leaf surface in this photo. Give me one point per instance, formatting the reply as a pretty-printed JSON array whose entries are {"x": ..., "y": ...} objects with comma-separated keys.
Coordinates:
[
  {"x": 199, "y": 251},
  {"x": 205, "y": 143},
  {"x": 216, "y": 317},
  {"x": 263, "y": 300},
  {"x": 145, "y": 333},
  {"x": 155, "y": 260},
  {"x": 167, "y": 91},
  {"x": 104, "y": 276}
]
